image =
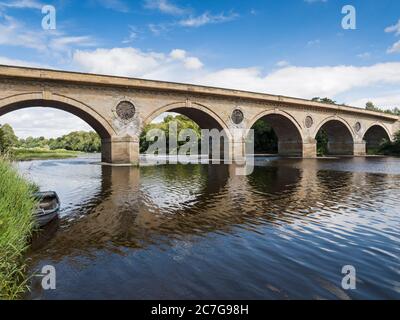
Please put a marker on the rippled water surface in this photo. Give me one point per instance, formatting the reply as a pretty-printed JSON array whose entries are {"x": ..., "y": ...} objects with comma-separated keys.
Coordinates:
[{"x": 201, "y": 232}]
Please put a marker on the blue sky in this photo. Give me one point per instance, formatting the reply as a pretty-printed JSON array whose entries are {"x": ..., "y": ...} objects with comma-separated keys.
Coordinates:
[{"x": 292, "y": 47}]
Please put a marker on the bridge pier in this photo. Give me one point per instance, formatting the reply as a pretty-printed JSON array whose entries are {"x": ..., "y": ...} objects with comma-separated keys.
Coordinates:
[
  {"x": 310, "y": 149},
  {"x": 120, "y": 150},
  {"x": 360, "y": 148}
]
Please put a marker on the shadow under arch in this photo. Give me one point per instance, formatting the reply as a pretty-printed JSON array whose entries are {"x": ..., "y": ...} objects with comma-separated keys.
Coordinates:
[
  {"x": 374, "y": 136},
  {"x": 287, "y": 130},
  {"x": 82, "y": 111},
  {"x": 339, "y": 134}
]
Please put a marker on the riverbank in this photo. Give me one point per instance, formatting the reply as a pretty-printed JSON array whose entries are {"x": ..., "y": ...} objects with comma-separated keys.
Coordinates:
[
  {"x": 16, "y": 225},
  {"x": 21, "y": 154}
]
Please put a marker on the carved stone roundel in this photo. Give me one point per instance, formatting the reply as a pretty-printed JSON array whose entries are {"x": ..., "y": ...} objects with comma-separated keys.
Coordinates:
[
  {"x": 309, "y": 122},
  {"x": 237, "y": 116},
  {"x": 357, "y": 126},
  {"x": 125, "y": 110}
]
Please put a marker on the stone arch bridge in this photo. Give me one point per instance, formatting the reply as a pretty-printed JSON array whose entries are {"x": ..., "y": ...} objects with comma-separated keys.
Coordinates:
[{"x": 118, "y": 109}]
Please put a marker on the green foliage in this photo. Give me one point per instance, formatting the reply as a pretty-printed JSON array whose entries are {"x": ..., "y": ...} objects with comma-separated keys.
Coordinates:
[
  {"x": 391, "y": 148},
  {"x": 324, "y": 100},
  {"x": 371, "y": 106},
  {"x": 21, "y": 154},
  {"x": 265, "y": 139},
  {"x": 8, "y": 139},
  {"x": 322, "y": 143},
  {"x": 183, "y": 122},
  {"x": 74, "y": 141},
  {"x": 2, "y": 148},
  {"x": 16, "y": 225}
]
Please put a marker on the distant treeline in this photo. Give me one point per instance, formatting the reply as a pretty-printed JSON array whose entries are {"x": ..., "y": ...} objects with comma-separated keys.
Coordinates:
[{"x": 75, "y": 141}]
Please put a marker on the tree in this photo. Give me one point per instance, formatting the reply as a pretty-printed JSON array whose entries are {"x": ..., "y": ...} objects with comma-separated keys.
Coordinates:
[
  {"x": 182, "y": 122},
  {"x": 391, "y": 148},
  {"x": 324, "y": 100},
  {"x": 370, "y": 106},
  {"x": 75, "y": 141},
  {"x": 322, "y": 143},
  {"x": 8, "y": 138},
  {"x": 265, "y": 139}
]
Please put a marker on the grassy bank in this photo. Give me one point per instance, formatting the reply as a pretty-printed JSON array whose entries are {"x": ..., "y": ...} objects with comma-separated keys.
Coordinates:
[
  {"x": 20, "y": 154},
  {"x": 16, "y": 226}
]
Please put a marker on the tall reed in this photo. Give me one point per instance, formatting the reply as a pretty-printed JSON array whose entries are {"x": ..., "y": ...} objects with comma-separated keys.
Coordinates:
[{"x": 17, "y": 206}]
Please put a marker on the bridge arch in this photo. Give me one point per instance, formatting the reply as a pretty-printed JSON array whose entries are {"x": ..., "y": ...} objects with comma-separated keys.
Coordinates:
[
  {"x": 287, "y": 129},
  {"x": 374, "y": 136},
  {"x": 339, "y": 134},
  {"x": 199, "y": 113},
  {"x": 60, "y": 102},
  {"x": 79, "y": 109},
  {"x": 204, "y": 117}
]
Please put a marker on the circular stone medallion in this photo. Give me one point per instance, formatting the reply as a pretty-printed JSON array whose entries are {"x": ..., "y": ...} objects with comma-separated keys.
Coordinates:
[
  {"x": 309, "y": 122},
  {"x": 125, "y": 110},
  {"x": 237, "y": 116},
  {"x": 357, "y": 126}
]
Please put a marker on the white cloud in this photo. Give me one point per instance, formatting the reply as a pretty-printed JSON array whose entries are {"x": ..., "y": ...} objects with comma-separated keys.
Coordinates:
[
  {"x": 20, "y": 63},
  {"x": 45, "y": 122},
  {"x": 16, "y": 33},
  {"x": 178, "y": 54},
  {"x": 307, "y": 82},
  {"x": 133, "y": 35},
  {"x": 165, "y": 6},
  {"x": 297, "y": 81},
  {"x": 313, "y": 42},
  {"x": 193, "y": 63},
  {"x": 282, "y": 63},
  {"x": 207, "y": 18},
  {"x": 64, "y": 43},
  {"x": 22, "y": 4},
  {"x": 386, "y": 101},
  {"x": 364, "y": 55},
  {"x": 117, "y": 61},
  {"x": 395, "y": 28},
  {"x": 116, "y": 5},
  {"x": 394, "y": 48},
  {"x": 136, "y": 63}
]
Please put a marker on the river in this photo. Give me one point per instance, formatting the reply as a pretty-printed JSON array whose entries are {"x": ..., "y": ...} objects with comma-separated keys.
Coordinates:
[{"x": 201, "y": 232}]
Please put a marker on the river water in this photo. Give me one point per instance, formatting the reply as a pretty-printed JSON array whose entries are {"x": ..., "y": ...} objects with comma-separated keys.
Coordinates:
[{"x": 201, "y": 232}]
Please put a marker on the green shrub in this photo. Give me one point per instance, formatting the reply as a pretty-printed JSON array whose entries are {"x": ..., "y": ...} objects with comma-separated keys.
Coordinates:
[{"x": 16, "y": 225}]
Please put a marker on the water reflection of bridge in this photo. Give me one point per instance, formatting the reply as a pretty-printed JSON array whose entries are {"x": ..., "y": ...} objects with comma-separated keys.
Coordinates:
[{"x": 137, "y": 207}]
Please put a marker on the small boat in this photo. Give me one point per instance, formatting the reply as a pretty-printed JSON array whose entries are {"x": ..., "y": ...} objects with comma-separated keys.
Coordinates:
[{"x": 47, "y": 210}]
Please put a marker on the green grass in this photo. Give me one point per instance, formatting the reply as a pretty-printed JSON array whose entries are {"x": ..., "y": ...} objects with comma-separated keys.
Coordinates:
[
  {"x": 20, "y": 154},
  {"x": 16, "y": 226}
]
